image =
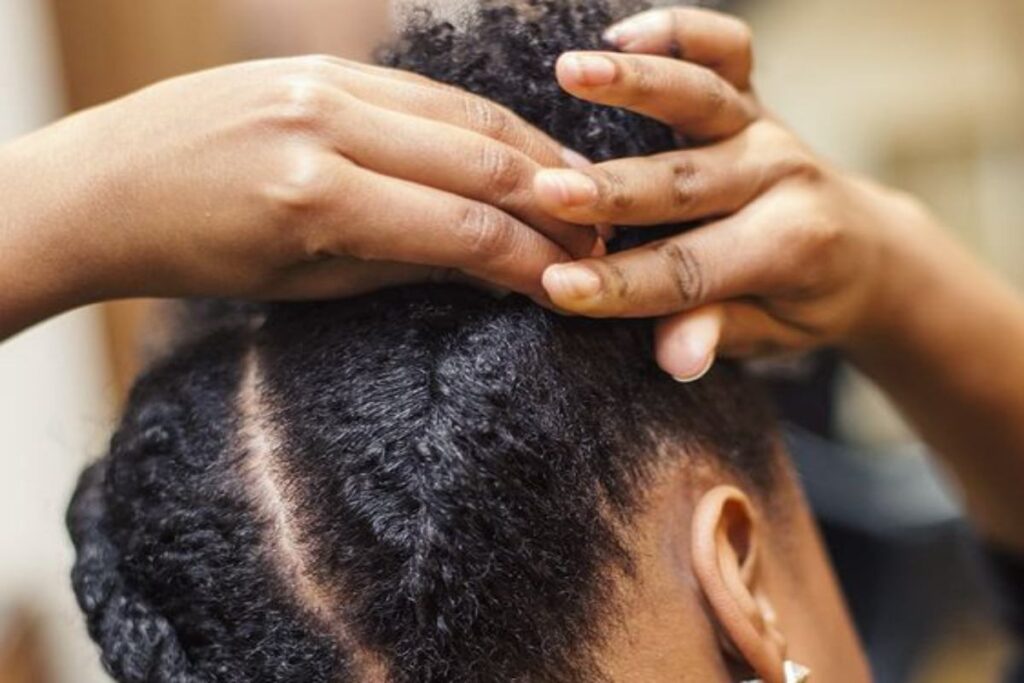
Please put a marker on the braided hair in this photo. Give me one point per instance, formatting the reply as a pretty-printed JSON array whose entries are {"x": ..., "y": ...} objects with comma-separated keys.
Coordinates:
[{"x": 426, "y": 484}]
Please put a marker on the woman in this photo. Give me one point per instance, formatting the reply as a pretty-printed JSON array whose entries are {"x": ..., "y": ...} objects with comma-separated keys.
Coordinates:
[{"x": 864, "y": 269}]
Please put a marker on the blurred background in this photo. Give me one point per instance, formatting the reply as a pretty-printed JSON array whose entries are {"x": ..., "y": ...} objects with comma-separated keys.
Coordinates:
[{"x": 925, "y": 95}]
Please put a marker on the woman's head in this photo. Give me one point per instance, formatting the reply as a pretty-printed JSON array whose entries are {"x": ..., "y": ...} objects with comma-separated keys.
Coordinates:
[{"x": 433, "y": 484}]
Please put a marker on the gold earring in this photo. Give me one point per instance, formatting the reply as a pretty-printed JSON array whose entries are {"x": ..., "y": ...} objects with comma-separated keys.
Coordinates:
[{"x": 795, "y": 673}]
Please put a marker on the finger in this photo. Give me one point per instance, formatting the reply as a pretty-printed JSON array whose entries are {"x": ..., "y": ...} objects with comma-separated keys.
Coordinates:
[
  {"x": 694, "y": 100},
  {"x": 460, "y": 162},
  {"x": 739, "y": 255},
  {"x": 717, "y": 41},
  {"x": 415, "y": 94},
  {"x": 376, "y": 217},
  {"x": 675, "y": 187},
  {"x": 687, "y": 344}
]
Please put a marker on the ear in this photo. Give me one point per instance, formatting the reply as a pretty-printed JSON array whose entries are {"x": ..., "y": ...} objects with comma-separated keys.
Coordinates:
[{"x": 726, "y": 555}]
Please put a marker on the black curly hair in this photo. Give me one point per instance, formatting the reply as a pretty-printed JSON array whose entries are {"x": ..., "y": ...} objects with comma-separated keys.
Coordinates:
[{"x": 424, "y": 484}]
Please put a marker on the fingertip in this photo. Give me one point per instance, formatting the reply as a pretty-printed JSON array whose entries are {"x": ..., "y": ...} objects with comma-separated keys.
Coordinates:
[
  {"x": 630, "y": 34},
  {"x": 686, "y": 345},
  {"x": 613, "y": 36},
  {"x": 699, "y": 374}
]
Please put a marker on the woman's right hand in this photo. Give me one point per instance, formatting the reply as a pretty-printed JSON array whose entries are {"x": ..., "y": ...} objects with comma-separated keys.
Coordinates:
[
  {"x": 294, "y": 178},
  {"x": 791, "y": 253}
]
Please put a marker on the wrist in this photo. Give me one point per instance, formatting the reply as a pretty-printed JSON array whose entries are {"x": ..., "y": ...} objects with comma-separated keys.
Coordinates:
[
  {"x": 50, "y": 240},
  {"x": 906, "y": 271}
]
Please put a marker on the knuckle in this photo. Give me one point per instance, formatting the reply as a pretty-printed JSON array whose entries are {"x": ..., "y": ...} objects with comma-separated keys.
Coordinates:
[
  {"x": 488, "y": 233},
  {"x": 300, "y": 188},
  {"x": 819, "y": 244},
  {"x": 488, "y": 119},
  {"x": 829, "y": 237},
  {"x": 304, "y": 104},
  {"x": 684, "y": 184},
  {"x": 612, "y": 191},
  {"x": 806, "y": 167},
  {"x": 316, "y": 64},
  {"x": 769, "y": 134},
  {"x": 715, "y": 96},
  {"x": 617, "y": 291},
  {"x": 688, "y": 277},
  {"x": 642, "y": 83},
  {"x": 615, "y": 281},
  {"x": 504, "y": 172}
]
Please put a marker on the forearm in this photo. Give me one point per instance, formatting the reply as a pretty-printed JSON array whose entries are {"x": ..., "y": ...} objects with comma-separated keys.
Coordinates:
[
  {"x": 48, "y": 249},
  {"x": 947, "y": 344}
]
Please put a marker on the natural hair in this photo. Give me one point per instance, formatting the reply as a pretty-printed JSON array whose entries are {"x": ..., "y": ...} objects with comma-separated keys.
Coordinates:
[{"x": 423, "y": 484}]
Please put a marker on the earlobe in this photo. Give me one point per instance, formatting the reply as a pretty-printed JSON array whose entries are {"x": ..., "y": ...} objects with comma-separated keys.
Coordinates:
[{"x": 726, "y": 560}]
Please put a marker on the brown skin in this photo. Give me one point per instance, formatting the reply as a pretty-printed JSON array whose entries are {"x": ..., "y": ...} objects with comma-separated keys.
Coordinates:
[
  {"x": 290, "y": 178},
  {"x": 283, "y": 179},
  {"x": 797, "y": 255},
  {"x": 728, "y": 587}
]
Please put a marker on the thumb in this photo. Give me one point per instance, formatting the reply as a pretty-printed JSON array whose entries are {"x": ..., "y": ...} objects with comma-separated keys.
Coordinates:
[{"x": 686, "y": 344}]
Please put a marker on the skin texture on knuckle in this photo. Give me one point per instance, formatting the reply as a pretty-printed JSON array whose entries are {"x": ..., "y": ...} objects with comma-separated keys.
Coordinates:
[
  {"x": 687, "y": 274},
  {"x": 489, "y": 119},
  {"x": 642, "y": 82},
  {"x": 617, "y": 282},
  {"x": 714, "y": 99},
  {"x": 684, "y": 185},
  {"x": 831, "y": 235},
  {"x": 295, "y": 199},
  {"x": 304, "y": 105},
  {"x": 818, "y": 247},
  {"x": 504, "y": 172},
  {"x": 806, "y": 167},
  {"x": 613, "y": 193},
  {"x": 617, "y": 291},
  {"x": 789, "y": 157},
  {"x": 318, "y": 62},
  {"x": 487, "y": 233}
]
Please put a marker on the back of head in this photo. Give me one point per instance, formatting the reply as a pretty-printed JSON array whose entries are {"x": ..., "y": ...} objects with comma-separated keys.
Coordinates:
[{"x": 424, "y": 484}]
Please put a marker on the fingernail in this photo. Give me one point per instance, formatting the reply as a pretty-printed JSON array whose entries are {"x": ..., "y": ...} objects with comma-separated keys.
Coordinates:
[
  {"x": 699, "y": 374},
  {"x": 606, "y": 231},
  {"x": 589, "y": 70},
  {"x": 600, "y": 248},
  {"x": 621, "y": 35},
  {"x": 574, "y": 159},
  {"x": 571, "y": 281},
  {"x": 629, "y": 31},
  {"x": 696, "y": 353},
  {"x": 569, "y": 188}
]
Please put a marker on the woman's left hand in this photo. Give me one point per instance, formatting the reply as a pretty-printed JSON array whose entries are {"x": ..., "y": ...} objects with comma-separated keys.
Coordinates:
[{"x": 790, "y": 253}]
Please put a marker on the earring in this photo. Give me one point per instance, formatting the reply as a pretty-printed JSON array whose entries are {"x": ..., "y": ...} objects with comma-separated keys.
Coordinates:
[{"x": 795, "y": 673}]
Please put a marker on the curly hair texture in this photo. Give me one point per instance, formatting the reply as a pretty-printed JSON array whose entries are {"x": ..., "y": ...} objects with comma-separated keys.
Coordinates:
[{"x": 426, "y": 484}]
